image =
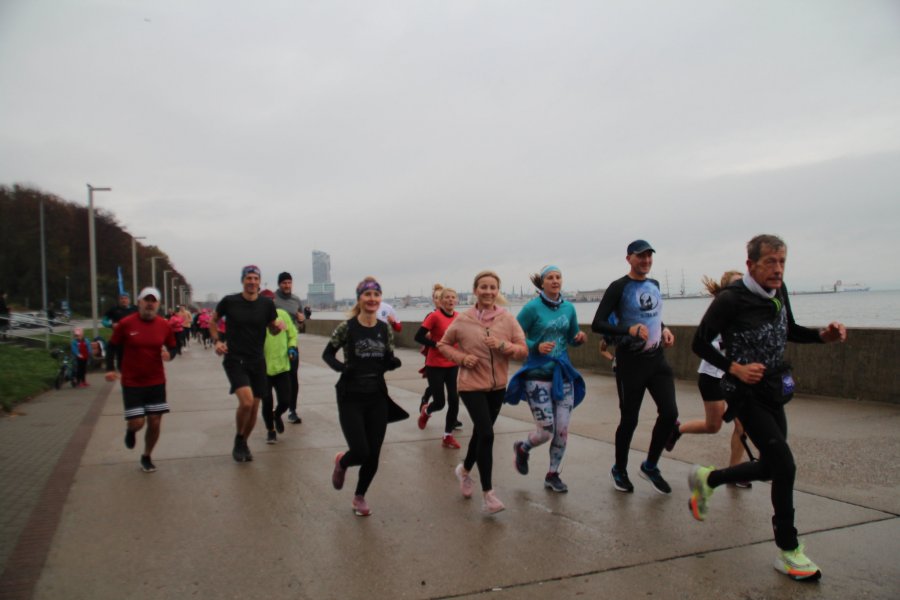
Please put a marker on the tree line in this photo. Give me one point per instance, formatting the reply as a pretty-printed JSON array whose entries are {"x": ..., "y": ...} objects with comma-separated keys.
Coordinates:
[{"x": 67, "y": 252}]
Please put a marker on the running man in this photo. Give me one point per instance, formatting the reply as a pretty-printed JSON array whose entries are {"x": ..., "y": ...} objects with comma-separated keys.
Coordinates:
[
  {"x": 754, "y": 318},
  {"x": 636, "y": 301},
  {"x": 288, "y": 302},
  {"x": 141, "y": 342},
  {"x": 120, "y": 311},
  {"x": 248, "y": 315}
]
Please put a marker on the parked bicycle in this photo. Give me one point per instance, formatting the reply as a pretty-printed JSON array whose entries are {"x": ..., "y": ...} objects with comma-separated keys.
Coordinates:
[{"x": 66, "y": 370}]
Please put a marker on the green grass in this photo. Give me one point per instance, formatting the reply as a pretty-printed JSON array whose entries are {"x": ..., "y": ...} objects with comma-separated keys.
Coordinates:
[{"x": 24, "y": 373}]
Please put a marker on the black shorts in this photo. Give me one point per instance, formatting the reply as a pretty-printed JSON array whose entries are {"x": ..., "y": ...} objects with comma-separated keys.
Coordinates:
[
  {"x": 144, "y": 400},
  {"x": 247, "y": 373},
  {"x": 710, "y": 388}
]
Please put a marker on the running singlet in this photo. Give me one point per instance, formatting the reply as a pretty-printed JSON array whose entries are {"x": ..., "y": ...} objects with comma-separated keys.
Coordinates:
[{"x": 141, "y": 343}]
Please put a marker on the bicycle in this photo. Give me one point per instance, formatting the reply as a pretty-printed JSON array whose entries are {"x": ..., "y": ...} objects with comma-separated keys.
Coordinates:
[{"x": 66, "y": 368}]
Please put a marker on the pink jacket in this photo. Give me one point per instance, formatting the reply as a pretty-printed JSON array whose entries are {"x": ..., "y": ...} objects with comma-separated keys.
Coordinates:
[{"x": 468, "y": 332}]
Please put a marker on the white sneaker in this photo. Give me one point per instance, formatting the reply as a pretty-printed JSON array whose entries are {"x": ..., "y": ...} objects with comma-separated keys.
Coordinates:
[
  {"x": 492, "y": 504},
  {"x": 466, "y": 485}
]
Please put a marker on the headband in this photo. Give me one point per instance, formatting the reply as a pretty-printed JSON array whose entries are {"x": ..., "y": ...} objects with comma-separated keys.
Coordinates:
[
  {"x": 249, "y": 269},
  {"x": 548, "y": 269},
  {"x": 367, "y": 285}
]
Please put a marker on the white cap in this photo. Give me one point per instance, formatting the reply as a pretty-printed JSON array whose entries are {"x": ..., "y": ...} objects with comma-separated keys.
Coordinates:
[{"x": 150, "y": 291}]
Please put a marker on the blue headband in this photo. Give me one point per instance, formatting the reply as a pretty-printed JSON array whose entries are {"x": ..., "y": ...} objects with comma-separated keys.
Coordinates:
[
  {"x": 367, "y": 285},
  {"x": 549, "y": 268},
  {"x": 249, "y": 269}
]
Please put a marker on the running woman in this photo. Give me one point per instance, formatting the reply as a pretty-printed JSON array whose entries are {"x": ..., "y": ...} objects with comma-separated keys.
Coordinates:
[
  {"x": 755, "y": 320},
  {"x": 636, "y": 302},
  {"x": 364, "y": 407},
  {"x": 243, "y": 355},
  {"x": 441, "y": 371},
  {"x": 436, "y": 301},
  {"x": 481, "y": 341},
  {"x": 547, "y": 380},
  {"x": 709, "y": 381},
  {"x": 140, "y": 343}
]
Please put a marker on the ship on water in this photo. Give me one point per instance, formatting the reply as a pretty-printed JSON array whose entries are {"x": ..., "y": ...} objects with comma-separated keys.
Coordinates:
[{"x": 838, "y": 287}]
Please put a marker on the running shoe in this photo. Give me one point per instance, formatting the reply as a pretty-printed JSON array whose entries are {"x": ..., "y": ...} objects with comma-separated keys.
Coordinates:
[
  {"x": 279, "y": 423},
  {"x": 147, "y": 465},
  {"x": 655, "y": 477},
  {"x": 337, "y": 476},
  {"x": 457, "y": 426},
  {"x": 796, "y": 565},
  {"x": 423, "y": 416},
  {"x": 248, "y": 456},
  {"x": 238, "y": 452},
  {"x": 271, "y": 437},
  {"x": 745, "y": 485},
  {"x": 129, "y": 439},
  {"x": 361, "y": 507},
  {"x": 621, "y": 481},
  {"x": 553, "y": 482},
  {"x": 466, "y": 485},
  {"x": 293, "y": 418},
  {"x": 521, "y": 457},
  {"x": 700, "y": 491},
  {"x": 450, "y": 442},
  {"x": 491, "y": 504},
  {"x": 673, "y": 437}
]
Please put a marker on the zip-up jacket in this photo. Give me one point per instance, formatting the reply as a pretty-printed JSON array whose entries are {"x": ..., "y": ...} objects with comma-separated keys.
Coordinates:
[
  {"x": 277, "y": 345},
  {"x": 468, "y": 332}
]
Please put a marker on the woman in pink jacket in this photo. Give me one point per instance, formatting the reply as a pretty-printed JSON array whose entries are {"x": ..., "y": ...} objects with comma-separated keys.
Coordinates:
[{"x": 486, "y": 337}]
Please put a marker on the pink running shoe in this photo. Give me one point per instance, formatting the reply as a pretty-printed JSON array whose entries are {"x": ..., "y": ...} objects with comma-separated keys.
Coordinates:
[
  {"x": 360, "y": 507},
  {"x": 491, "y": 504},
  {"x": 337, "y": 476},
  {"x": 466, "y": 485}
]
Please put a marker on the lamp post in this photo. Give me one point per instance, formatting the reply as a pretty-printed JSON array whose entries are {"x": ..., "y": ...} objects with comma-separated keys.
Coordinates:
[
  {"x": 153, "y": 269},
  {"x": 93, "y": 251},
  {"x": 134, "y": 276},
  {"x": 166, "y": 291},
  {"x": 174, "y": 288}
]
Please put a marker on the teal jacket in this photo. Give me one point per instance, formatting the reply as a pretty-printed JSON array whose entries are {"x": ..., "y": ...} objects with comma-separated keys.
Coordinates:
[{"x": 277, "y": 346}]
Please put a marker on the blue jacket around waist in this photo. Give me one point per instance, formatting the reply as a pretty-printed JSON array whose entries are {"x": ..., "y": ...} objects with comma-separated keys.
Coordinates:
[{"x": 563, "y": 371}]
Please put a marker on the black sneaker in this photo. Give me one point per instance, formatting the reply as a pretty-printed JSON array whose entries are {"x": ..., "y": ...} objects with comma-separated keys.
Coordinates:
[
  {"x": 621, "y": 481},
  {"x": 238, "y": 452},
  {"x": 147, "y": 465},
  {"x": 457, "y": 426},
  {"x": 272, "y": 437},
  {"x": 248, "y": 456},
  {"x": 129, "y": 439},
  {"x": 673, "y": 437},
  {"x": 553, "y": 482},
  {"x": 279, "y": 423},
  {"x": 521, "y": 458},
  {"x": 293, "y": 418},
  {"x": 655, "y": 477}
]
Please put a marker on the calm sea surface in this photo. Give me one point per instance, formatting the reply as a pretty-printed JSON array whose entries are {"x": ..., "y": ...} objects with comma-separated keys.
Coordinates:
[{"x": 854, "y": 309}]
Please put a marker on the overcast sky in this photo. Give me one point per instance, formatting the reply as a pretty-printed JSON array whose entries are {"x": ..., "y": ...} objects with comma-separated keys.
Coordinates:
[{"x": 422, "y": 141}]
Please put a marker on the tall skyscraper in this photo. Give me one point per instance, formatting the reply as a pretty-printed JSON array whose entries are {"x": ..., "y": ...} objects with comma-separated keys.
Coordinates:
[{"x": 321, "y": 291}]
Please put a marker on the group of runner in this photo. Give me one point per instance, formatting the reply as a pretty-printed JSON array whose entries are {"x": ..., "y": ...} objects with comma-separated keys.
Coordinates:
[{"x": 741, "y": 340}]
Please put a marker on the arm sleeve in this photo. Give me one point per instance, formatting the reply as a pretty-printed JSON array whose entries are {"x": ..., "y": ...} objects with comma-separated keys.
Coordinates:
[
  {"x": 526, "y": 318},
  {"x": 574, "y": 329},
  {"x": 338, "y": 339},
  {"x": 445, "y": 345},
  {"x": 711, "y": 326},
  {"x": 420, "y": 338},
  {"x": 608, "y": 304},
  {"x": 517, "y": 337}
]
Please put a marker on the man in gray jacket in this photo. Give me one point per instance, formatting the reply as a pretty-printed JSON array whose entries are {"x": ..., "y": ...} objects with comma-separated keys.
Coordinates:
[{"x": 290, "y": 303}]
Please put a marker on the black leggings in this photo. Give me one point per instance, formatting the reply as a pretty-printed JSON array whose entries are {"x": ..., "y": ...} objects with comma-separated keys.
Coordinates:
[
  {"x": 438, "y": 378},
  {"x": 484, "y": 408},
  {"x": 363, "y": 419},
  {"x": 295, "y": 384},
  {"x": 766, "y": 425},
  {"x": 281, "y": 384},
  {"x": 634, "y": 374},
  {"x": 80, "y": 370}
]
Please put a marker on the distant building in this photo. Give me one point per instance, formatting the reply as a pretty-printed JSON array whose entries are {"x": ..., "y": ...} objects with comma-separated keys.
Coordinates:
[
  {"x": 320, "y": 293},
  {"x": 589, "y": 296}
]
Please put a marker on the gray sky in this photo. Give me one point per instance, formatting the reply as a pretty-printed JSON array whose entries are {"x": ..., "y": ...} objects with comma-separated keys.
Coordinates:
[{"x": 422, "y": 141}]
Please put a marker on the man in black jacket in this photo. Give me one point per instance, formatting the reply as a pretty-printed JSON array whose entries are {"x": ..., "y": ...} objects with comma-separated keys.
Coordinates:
[{"x": 754, "y": 318}]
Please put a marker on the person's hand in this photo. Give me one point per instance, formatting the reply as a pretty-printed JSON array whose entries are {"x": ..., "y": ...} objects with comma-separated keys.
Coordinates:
[
  {"x": 293, "y": 354},
  {"x": 491, "y": 342},
  {"x": 111, "y": 376},
  {"x": 280, "y": 325},
  {"x": 639, "y": 330},
  {"x": 221, "y": 348},
  {"x": 165, "y": 355},
  {"x": 835, "y": 332},
  {"x": 580, "y": 337},
  {"x": 391, "y": 320},
  {"x": 749, "y": 374},
  {"x": 546, "y": 347},
  {"x": 469, "y": 361},
  {"x": 668, "y": 338}
]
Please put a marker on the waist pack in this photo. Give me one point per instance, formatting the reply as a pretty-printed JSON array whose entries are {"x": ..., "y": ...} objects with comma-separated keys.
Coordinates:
[
  {"x": 778, "y": 384},
  {"x": 775, "y": 389}
]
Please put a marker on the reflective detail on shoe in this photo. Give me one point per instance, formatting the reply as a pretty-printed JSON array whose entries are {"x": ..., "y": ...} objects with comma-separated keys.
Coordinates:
[
  {"x": 492, "y": 504},
  {"x": 745, "y": 485},
  {"x": 423, "y": 416},
  {"x": 553, "y": 482},
  {"x": 448, "y": 441},
  {"x": 700, "y": 491},
  {"x": 673, "y": 437},
  {"x": 271, "y": 437},
  {"x": 621, "y": 481},
  {"x": 457, "y": 426},
  {"x": 466, "y": 485},
  {"x": 361, "y": 507},
  {"x": 796, "y": 565},
  {"x": 147, "y": 465},
  {"x": 337, "y": 476},
  {"x": 655, "y": 477},
  {"x": 129, "y": 439},
  {"x": 521, "y": 458}
]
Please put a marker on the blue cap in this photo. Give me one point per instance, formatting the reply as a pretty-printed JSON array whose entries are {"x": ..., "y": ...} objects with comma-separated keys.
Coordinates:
[{"x": 638, "y": 246}]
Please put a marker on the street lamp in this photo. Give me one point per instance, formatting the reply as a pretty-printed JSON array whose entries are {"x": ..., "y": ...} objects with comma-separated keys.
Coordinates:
[
  {"x": 174, "y": 279},
  {"x": 134, "y": 276},
  {"x": 153, "y": 260},
  {"x": 93, "y": 251},
  {"x": 166, "y": 291}
]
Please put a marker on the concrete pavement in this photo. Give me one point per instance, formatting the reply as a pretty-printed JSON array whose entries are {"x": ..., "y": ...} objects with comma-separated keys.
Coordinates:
[{"x": 203, "y": 526}]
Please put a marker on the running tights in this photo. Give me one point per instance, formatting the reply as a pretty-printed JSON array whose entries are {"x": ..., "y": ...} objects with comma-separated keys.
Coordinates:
[
  {"x": 438, "y": 379},
  {"x": 551, "y": 417},
  {"x": 484, "y": 408},
  {"x": 363, "y": 419},
  {"x": 281, "y": 384}
]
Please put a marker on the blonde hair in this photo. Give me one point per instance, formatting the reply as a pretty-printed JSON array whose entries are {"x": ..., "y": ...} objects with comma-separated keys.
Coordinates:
[
  {"x": 501, "y": 299},
  {"x": 714, "y": 287},
  {"x": 447, "y": 291},
  {"x": 355, "y": 310}
]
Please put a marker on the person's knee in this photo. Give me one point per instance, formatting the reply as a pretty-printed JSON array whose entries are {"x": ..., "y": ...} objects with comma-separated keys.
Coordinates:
[
  {"x": 713, "y": 426},
  {"x": 136, "y": 424},
  {"x": 543, "y": 435}
]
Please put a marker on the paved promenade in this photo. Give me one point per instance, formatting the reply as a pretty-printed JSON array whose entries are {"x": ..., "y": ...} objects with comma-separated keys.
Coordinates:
[{"x": 78, "y": 518}]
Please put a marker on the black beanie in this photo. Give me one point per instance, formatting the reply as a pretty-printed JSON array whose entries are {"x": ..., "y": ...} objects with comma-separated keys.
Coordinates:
[{"x": 283, "y": 276}]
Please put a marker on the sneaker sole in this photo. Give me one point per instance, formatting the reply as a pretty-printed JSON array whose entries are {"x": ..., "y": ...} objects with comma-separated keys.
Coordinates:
[
  {"x": 492, "y": 511},
  {"x": 619, "y": 488},
  {"x": 553, "y": 489},
  {"x": 523, "y": 470},
  {"x": 798, "y": 575},
  {"x": 360, "y": 513},
  {"x": 646, "y": 477},
  {"x": 694, "y": 507}
]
